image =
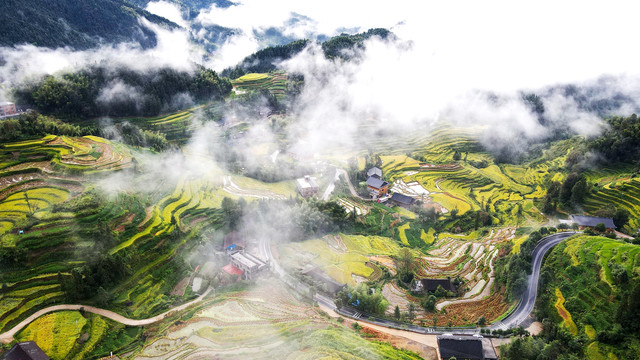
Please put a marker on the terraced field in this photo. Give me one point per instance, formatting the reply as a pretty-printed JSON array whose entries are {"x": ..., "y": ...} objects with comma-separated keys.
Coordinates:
[
  {"x": 586, "y": 285},
  {"x": 343, "y": 257},
  {"x": 266, "y": 322},
  {"x": 275, "y": 83},
  {"x": 624, "y": 193},
  {"x": 449, "y": 184},
  {"x": 65, "y": 334}
]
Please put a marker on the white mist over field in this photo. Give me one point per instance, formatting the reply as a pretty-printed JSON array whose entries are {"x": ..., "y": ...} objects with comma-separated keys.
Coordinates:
[{"x": 448, "y": 60}]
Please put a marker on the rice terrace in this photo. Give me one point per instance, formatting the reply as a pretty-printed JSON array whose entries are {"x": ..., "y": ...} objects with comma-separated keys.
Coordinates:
[{"x": 178, "y": 181}]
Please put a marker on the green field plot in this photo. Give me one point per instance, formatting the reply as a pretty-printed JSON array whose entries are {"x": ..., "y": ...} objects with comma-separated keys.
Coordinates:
[
  {"x": 275, "y": 83},
  {"x": 341, "y": 256}
]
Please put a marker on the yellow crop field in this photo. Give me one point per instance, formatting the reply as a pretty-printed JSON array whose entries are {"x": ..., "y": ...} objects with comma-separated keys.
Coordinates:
[
  {"x": 55, "y": 333},
  {"x": 251, "y": 77},
  {"x": 403, "y": 235},
  {"x": 566, "y": 316},
  {"x": 450, "y": 203},
  {"x": 98, "y": 139},
  {"x": 428, "y": 237}
]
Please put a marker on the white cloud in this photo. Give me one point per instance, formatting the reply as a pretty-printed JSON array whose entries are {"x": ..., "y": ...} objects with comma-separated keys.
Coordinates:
[{"x": 168, "y": 11}]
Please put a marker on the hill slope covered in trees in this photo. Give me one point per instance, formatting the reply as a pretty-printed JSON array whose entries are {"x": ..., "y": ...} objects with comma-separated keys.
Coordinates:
[{"x": 78, "y": 24}]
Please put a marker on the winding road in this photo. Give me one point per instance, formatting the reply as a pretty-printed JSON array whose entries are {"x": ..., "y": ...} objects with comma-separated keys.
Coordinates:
[
  {"x": 7, "y": 337},
  {"x": 521, "y": 312},
  {"x": 528, "y": 300},
  {"x": 517, "y": 317}
]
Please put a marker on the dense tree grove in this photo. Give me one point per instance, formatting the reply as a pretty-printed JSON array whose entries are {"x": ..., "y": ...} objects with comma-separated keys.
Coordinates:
[
  {"x": 362, "y": 298},
  {"x": 513, "y": 271},
  {"x": 620, "y": 142},
  {"x": 342, "y": 46},
  {"x": 78, "y": 24},
  {"x": 293, "y": 219},
  {"x": 101, "y": 91},
  {"x": 33, "y": 125},
  {"x": 264, "y": 60}
]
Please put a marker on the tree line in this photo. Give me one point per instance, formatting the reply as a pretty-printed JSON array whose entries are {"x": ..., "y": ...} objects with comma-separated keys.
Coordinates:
[
  {"x": 34, "y": 125},
  {"x": 101, "y": 91}
]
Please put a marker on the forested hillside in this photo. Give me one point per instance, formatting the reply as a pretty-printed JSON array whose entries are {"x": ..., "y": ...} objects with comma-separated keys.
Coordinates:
[
  {"x": 265, "y": 60},
  {"x": 78, "y": 24},
  {"x": 589, "y": 298},
  {"x": 98, "y": 91}
]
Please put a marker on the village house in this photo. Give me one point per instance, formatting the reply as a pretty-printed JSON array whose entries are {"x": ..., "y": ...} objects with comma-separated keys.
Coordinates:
[
  {"x": 585, "y": 222},
  {"x": 7, "y": 108},
  {"x": 307, "y": 186},
  {"x": 402, "y": 200},
  {"x": 250, "y": 265},
  {"x": 375, "y": 172},
  {"x": 431, "y": 285},
  {"x": 377, "y": 187},
  {"x": 465, "y": 348},
  {"x": 27, "y": 350}
]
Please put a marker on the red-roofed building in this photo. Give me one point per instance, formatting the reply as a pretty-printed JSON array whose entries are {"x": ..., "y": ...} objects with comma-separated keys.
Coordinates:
[{"x": 232, "y": 270}]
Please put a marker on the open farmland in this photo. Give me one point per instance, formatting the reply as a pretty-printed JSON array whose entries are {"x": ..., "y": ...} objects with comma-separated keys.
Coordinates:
[
  {"x": 275, "y": 83},
  {"x": 265, "y": 322}
]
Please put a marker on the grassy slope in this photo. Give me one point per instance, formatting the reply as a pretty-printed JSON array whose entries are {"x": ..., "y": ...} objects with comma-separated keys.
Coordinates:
[{"x": 580, "y": 271}]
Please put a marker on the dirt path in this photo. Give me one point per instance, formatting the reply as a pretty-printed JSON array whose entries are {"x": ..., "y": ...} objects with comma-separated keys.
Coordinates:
[{"x": 7, "y": 337}]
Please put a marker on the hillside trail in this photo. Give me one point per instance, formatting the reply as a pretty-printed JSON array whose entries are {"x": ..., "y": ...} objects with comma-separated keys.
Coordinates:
[{"x": 8, "y": 336}]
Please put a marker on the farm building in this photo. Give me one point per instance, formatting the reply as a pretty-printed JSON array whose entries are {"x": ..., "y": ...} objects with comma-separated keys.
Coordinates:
[
  {"x": 465, "y": 348},
  {"x": 584, "y": 221},
  {"x": 307, "y": 186},
  {"x": 375, "y": 172},
  {"x": 318, "y": 275},
  {"x": 7, "y": 108},
  {"x": 431, "y": 285},
  {"x": 233, "y": 241},
  {"x": 232, "y": 270},
  {"x": 27, "y": 350},
  {"x": 248, "y": 264},
  {"x": 377, "y": 187},
  {"x": 402, "y": 200}
]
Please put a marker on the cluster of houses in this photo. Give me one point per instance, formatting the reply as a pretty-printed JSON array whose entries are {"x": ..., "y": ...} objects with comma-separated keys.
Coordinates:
[
  {"x": 241, "y": 263},
  {"x": 379, "y": 189}
]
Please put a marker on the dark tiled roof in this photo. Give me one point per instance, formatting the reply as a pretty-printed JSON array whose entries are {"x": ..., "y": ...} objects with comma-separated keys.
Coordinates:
[
  {"x": 375, "y": 171},
  {"x": 584, "y": 220},
  {"x": 318, "y": 275},
  {"x": 376, "y": 183},
  {"x": 402, "y": 199},
  {"x": 467, "y": 348},
  {"x": 27, "y": 350},
  {"x": 432, "y": 284}
]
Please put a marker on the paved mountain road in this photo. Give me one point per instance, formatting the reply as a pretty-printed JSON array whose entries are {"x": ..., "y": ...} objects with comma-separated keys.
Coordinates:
[{"x": 529, "y": 297}]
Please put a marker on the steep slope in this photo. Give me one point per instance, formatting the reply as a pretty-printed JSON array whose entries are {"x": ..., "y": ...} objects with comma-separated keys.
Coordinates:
[
  {"x": 587, "y": 283},
  {"x": 78, "y": 24}
]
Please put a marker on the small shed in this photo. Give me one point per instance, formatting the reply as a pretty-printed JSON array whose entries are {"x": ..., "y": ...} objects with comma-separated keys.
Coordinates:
[
  {"x": 27, "y": 350},
  {"x": 465, "y": 348},
  {"x": 431, "y": 285},
  {"x": 402, "y": 200}
]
